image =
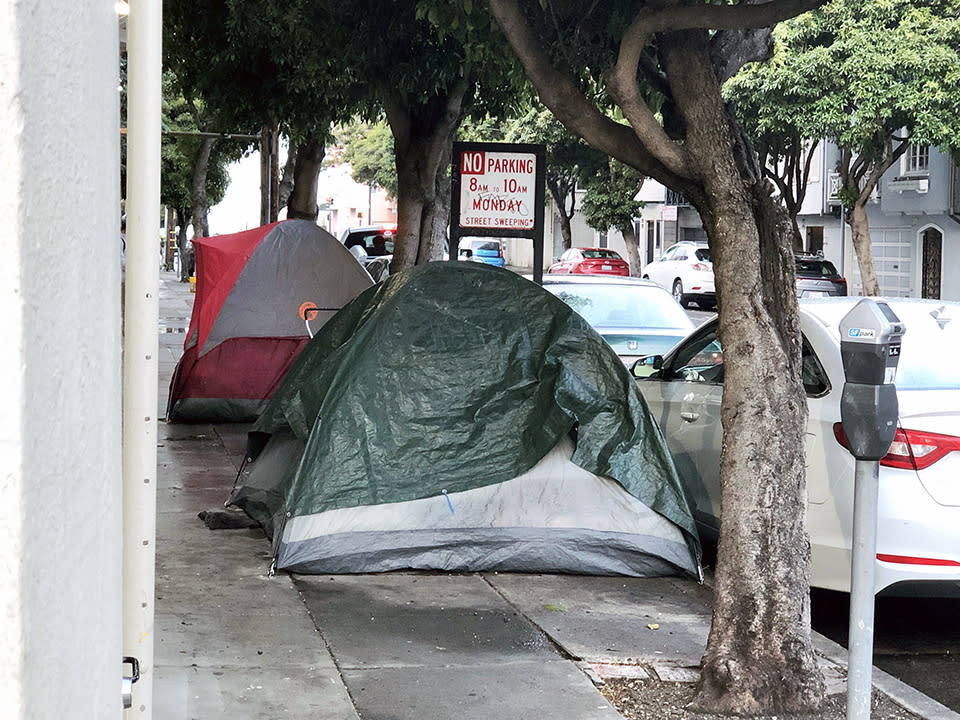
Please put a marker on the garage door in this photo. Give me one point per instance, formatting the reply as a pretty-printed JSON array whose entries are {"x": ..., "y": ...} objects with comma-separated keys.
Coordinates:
[{"x": 894, "y": 256}]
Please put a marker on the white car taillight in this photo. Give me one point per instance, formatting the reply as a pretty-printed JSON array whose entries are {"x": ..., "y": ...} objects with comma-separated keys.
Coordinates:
[
  {"x": 911, "y": 449},
  {"x": 702, "y": 267}
]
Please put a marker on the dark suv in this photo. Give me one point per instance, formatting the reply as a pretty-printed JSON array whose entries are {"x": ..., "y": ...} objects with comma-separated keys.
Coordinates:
[{"x": 818, "y": 277}]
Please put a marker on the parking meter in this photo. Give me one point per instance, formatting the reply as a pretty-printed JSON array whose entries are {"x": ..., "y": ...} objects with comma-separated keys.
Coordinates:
[{"x": 870, "y": 336}]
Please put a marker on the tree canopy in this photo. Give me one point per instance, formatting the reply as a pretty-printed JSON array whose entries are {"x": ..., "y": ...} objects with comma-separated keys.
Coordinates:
[
  {"x": 368, "y": 147},
  {"x": 178, "y": 149},
  {"x": 569, "y": 160},
  {"x": 874, "y": 77},
  {"x": 610, "y": 202}
]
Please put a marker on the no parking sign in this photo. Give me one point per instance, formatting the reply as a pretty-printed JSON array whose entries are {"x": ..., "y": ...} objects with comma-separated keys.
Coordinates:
[{"x": 498, "y": 190}]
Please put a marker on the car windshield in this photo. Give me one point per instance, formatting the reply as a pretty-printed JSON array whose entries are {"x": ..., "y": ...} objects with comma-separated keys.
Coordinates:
[
  {"x": 816, "y": 268},
  {"x": 489, "y": 245},
  {"x": 621, "y": 305},
  {"x": 600, "y": 254}
]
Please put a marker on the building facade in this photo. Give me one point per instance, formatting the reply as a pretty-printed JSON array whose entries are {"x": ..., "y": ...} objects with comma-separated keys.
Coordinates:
[{"x": 914, "y": 218}]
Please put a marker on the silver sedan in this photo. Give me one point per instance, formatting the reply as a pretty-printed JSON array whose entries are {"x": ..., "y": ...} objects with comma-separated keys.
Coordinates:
[{"x": 918, "y": 543}]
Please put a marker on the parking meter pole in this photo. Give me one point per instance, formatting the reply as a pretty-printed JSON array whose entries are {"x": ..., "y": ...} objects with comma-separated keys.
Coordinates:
[
  {"x": 870, "y": 336},
  {"x": 862, "y": 580}
]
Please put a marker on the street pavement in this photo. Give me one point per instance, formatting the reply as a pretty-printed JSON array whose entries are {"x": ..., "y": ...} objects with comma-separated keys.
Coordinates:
[{"x": 233, "y": 641}]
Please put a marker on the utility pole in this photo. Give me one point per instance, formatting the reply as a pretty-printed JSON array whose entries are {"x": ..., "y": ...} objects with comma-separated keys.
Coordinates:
[{"x": 140, "y": 346}]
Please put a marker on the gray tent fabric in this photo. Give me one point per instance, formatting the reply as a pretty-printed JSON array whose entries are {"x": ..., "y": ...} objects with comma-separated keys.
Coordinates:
[
  {"x": 457, "y": 385},
  {"x": 246, "y": 328},
  {"x": 296, "y": 261}
]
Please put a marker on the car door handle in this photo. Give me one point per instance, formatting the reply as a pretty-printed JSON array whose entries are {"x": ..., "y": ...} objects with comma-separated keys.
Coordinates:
[{"x": 689, "y": 416}]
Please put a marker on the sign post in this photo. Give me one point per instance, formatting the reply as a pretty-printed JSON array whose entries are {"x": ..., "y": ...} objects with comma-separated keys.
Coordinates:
[{"x": 497, "y": 190}]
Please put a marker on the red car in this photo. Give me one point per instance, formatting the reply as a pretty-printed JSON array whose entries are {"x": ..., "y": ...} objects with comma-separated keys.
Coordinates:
[{"x": 590, "y": 261}]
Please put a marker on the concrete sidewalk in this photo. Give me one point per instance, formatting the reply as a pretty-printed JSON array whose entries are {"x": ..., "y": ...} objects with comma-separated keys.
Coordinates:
[{"x": 233, "y": 642}]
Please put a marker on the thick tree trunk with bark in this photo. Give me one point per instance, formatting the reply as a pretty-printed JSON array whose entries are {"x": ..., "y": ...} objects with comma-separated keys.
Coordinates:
[
  {"x": 302, "y": 203},
  {"x": 198, "y": 188},
  {"x": 422, "y": 138},
  {"x": 860, "y": 232},
  {"x": 632, "y": 243},
  {"x": 759, "y": 655},
  {"x": 759, "y": 658}
]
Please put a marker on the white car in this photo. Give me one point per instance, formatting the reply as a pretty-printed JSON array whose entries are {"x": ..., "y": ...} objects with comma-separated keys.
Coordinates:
[
  {"x": 918, "y": 540},
  {"x": 685, "y": 269}
]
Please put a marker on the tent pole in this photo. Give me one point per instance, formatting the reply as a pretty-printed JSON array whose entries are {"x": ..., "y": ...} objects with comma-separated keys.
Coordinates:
[{"x": 141, "y": 344}]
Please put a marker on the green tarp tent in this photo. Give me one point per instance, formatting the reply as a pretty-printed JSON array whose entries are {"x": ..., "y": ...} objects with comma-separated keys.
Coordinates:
[{"x": 457, "y": 416}]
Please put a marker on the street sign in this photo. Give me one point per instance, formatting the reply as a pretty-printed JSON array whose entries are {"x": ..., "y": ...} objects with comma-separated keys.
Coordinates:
[{"x": 498, "y": 190}]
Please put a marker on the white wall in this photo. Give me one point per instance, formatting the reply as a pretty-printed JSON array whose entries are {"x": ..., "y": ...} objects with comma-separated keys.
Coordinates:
[
  {"x": 240, "y": 207},
  {"x": 60, "y": 473}
]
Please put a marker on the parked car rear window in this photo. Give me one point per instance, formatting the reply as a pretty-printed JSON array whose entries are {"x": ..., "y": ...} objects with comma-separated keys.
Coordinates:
[
  {"x": 816, "y": 268},
  {"x": 703, "y": 254},
  {"x": 610, "y": 254}
]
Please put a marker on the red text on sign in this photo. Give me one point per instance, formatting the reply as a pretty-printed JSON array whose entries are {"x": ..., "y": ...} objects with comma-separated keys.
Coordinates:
[{"x": 472, "y": 163}]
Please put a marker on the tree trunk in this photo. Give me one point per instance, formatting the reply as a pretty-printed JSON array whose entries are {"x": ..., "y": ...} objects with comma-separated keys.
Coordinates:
[
  {"x": 560, "y": 200},
  {"x": 286, "y": 179},
  {"x": 302, "y": 203},
  {"x": 412, "y": 198},
  {"x": 438, "y": 239},
  {"x": 198, "y": 188},
  {"x": 422, "y": 138},
  {"x": 759, "y": 657},
  {"x": 632, "y": 242},
  {"x": 860, "y": 232},
  {"x": 182, "y": 219}
]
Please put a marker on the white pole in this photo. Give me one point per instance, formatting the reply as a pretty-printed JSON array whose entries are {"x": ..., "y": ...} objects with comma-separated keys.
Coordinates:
[{"x": 140, "y": 344}]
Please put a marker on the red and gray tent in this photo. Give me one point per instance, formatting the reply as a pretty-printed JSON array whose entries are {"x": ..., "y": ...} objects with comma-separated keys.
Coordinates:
[{"x": 247, "y": 325}]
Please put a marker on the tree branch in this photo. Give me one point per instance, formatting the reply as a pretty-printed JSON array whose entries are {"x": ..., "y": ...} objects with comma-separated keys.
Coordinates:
[
  {"x": 559, "y": 92},
  {"x": 660, "y": 17},
  {"x": 879, "y": 168},
  {"x": 624, "y": 88}
]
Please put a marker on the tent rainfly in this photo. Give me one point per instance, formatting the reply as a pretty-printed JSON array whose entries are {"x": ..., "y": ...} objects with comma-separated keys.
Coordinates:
[
  {"x": 459, "y": 417},
  {"x": 247, "y": 325}
]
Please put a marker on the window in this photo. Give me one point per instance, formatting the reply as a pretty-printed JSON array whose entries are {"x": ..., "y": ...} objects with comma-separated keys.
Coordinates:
[
  {"x": 670, "y": 254},
  {"x": 601, "y": 253},
  {"x": 701, "y": 361},
  {"x": 814, "y": 238},
  {"x": 916, "y": 161}
]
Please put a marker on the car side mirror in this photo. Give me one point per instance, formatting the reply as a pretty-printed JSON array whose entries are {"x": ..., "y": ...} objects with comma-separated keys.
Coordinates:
[
  {"x": 646, "y": 366},
  {"x": 466, "y": 253}
]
